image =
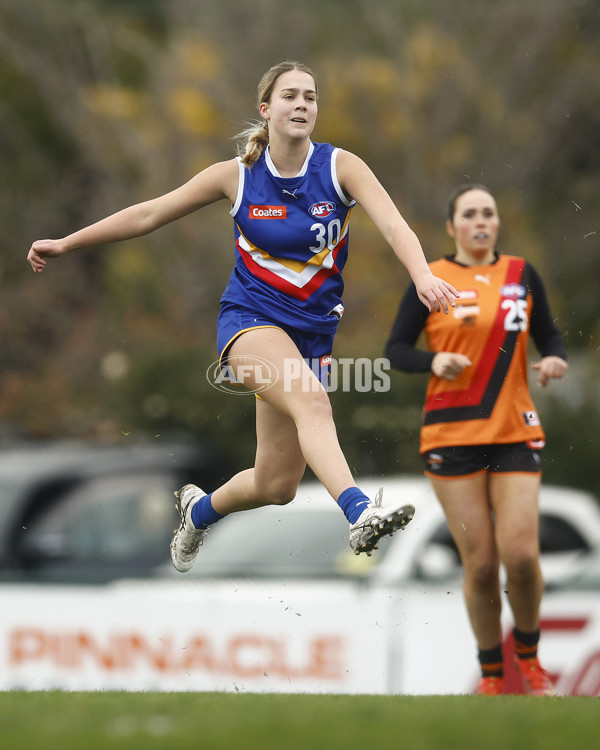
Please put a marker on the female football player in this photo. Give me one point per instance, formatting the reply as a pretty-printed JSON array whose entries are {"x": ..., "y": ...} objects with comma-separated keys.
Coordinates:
[
  {"x": 481, "y": 436},
  {"x": 290, "y": 200}
]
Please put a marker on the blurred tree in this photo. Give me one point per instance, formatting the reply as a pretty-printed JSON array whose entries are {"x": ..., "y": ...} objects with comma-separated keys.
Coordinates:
[{"x": 109, "y": 102}]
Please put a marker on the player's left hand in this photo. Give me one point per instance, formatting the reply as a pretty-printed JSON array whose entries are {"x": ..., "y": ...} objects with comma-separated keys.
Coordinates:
[
  {"x": 436, "y": 294},
  {"x": 550, "y": 367}
]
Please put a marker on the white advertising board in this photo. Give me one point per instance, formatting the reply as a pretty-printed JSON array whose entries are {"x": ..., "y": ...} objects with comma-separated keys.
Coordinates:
[
  {"x": 271, "y": 637},
  {"x": 276, "y": 638}
]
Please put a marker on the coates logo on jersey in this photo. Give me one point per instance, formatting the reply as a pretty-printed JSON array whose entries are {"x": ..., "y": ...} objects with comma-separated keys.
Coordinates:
[
  {"x": 268, "y": 212},
  {"x": 513, "y": 291},
  {"x": 322, "y": 209}
]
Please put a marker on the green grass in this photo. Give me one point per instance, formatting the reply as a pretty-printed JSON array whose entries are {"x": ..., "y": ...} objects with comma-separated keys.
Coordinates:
[{"x": 144, "y": 721}]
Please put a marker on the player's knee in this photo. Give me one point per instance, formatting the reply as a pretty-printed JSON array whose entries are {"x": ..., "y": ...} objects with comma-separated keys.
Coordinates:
[
  {"x": 523, "y": 567},
  {"x": 280, "y": 491},
  {"x": 484, "y": 574},
  {"x": 283, "y": 498},
  {"x": 318, "y": 408}
]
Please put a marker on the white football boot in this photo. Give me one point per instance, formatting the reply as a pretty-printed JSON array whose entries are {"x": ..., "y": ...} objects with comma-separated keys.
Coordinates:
[
  {"x": 187, "y": 539},
  {"x": 376, "y": 521}
]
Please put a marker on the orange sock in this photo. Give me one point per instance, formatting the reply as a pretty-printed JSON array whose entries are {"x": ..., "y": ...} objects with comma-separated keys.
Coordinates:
[
  {"x": 526, "y": 644},
  {"x": 490, "y": 660}
]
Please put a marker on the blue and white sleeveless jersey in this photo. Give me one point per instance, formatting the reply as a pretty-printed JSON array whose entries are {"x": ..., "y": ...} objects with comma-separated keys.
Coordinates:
[{"x": 291, "y": 237}]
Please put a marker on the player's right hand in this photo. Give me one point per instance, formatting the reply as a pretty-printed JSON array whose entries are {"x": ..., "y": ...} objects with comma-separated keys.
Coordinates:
[
  {"x": 449, "y": 365},
  {"x": 42, "y": 249}
]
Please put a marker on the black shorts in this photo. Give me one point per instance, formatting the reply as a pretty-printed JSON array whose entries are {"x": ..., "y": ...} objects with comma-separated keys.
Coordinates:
[{"x": 466, "y": 460}]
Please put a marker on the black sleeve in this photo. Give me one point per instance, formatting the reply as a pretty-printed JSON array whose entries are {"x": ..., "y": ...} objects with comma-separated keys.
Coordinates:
[
  {"x": 546, "y": 336},
  {"x": 400, "y": 348}
]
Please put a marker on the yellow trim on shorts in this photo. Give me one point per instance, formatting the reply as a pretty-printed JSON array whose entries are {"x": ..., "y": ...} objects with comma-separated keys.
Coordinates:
[{"x": 228, "y": 345}]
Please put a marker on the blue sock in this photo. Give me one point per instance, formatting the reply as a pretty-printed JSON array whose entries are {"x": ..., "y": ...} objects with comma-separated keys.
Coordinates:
[
  {"x": 353, "y": 502},
  {"x": 203, "y": 513}
]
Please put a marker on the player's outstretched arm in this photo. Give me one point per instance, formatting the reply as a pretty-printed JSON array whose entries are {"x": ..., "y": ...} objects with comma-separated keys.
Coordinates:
[
  {"x": 358, "y": 182},
  {"x": 212, "y": 184}
]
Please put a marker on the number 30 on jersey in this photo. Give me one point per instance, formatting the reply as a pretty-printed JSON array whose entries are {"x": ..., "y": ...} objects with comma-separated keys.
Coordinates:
[{"x": 327, "y": 235}]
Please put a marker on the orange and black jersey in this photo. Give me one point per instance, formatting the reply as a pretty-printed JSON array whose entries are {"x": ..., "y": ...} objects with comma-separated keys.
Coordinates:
[{"x": 499, "y": 305}]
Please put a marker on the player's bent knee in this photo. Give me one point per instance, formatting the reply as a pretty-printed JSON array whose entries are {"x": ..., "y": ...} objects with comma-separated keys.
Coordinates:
[
  {"x": 280, "y": 493},
  {"x": 318, "y": 408}
]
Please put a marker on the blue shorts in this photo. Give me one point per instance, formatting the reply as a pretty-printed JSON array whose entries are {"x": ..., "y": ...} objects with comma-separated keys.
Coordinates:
[
  {"x": 466, "y": 460},
  {"x": 315, "y": 348}
]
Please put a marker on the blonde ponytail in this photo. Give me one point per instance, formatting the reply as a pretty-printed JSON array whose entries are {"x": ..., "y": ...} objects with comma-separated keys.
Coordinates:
[{"x": 252, "y": 142}]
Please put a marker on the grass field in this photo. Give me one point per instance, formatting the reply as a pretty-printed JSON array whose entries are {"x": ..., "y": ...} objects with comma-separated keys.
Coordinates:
[{"x": 144, "y": 721}]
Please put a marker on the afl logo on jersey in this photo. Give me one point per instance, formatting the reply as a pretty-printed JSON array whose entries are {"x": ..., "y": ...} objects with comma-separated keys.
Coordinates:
[
  {"x": 513, "y": 291},
  {"x": 322, "y": 209}
]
